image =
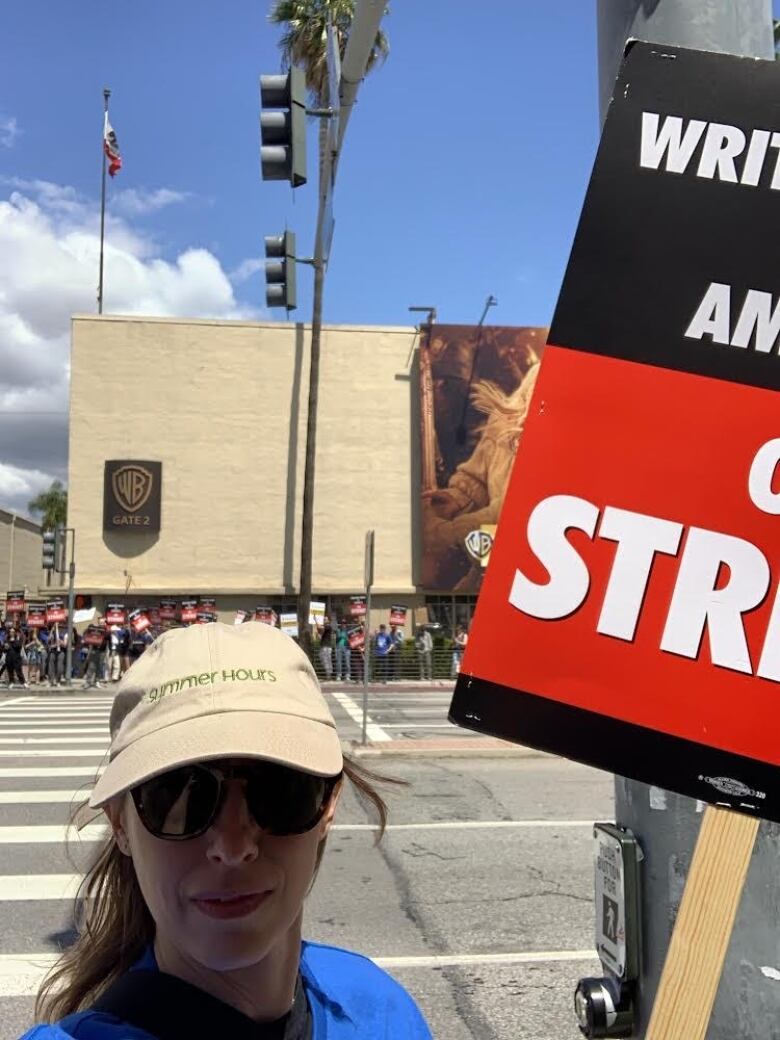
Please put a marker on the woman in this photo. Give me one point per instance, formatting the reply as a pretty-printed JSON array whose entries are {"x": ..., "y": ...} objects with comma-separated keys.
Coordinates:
[
  {"x": 54, "y": 664},
  {"x": 14, "y": 646},
  {"x": 459, "y": 643},
  {"x": 224, "y": 774},
  {"x": 35, "y": 656}
]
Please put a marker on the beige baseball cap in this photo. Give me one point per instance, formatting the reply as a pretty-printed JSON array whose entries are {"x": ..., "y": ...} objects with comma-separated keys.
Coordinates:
[{"x": 218, "y": 691}]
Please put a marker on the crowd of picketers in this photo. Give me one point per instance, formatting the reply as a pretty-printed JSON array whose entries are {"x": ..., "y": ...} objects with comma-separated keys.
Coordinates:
[
  {"x": 34, "y": 654},
  {"x": 342, "y": 652},
  {"x": 38, "y": 656}
]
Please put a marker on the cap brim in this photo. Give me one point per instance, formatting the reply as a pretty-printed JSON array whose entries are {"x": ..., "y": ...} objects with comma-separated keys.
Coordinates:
[{"x": 313, "y": 747}]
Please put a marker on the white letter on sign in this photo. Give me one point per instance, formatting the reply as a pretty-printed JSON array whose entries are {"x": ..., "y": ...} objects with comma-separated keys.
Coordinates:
[
  {"x": 569, "y": 577},
  {"x": 762, "y": 472},
  {"x": 696, "y": 600},
  {"x": 769, "y": 665},
  {"x": 722, "y": 145},
  {"x": 713, "y": 316},
  {"x": 639, "y": 538},
  {"x": 669, "y": 140}
]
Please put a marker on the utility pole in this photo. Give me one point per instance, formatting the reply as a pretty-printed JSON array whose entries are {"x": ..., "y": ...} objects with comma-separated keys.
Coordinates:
[{"x": 747, "y": 1006}]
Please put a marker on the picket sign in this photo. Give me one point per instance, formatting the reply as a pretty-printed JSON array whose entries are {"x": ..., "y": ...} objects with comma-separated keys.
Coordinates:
[
  {"x": 630, "y": 615},
  {"x": 700, "y": 940}
]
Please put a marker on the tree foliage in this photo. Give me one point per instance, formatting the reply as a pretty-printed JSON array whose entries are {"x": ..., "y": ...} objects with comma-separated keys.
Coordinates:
[
  {"x": 304, "y": 40},
  {"x": 52, "y": 505}
]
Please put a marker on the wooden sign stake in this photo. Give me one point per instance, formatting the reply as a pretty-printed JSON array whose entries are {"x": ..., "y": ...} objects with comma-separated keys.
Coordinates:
[{"x": 694, "y": 962}]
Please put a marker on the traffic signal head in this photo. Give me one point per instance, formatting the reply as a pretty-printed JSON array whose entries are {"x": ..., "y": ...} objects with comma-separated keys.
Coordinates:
[
  {"x": 280, "y": 271},
  {"x": 283, "y": 127},
  {"x": 50, "y": 550}
]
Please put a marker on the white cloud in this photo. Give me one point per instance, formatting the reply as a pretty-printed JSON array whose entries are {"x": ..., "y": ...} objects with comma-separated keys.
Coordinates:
[
  {"x": 135, "y": 202},
  {"x": 19, "y": 486},
  {"x": 246, "y": 270},
  {"x": 49, "y": 247},
  {"x": 9, "y": 131}
]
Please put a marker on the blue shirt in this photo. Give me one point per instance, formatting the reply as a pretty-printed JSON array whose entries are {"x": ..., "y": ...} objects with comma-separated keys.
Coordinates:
[
  {"x": 349, "y": 996},
  {"x": 382, "y": 644}
]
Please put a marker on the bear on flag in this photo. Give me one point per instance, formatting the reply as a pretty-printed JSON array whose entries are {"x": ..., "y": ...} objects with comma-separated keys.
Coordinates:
[{"x": 111, "y": 148}]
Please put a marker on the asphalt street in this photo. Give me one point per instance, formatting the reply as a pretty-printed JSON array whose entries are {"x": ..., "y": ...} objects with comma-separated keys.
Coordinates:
[{"x": 479, "y": 898}]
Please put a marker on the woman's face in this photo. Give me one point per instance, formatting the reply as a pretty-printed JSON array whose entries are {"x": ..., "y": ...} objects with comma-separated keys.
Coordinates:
[{"x": 192, "y": 887}]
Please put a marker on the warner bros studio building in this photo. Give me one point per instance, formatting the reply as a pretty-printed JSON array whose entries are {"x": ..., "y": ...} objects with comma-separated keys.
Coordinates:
[{"x": 205, "y": 421}]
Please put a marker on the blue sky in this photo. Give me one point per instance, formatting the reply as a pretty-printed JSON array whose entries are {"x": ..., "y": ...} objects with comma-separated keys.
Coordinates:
[{"x": 463, "y": 172}]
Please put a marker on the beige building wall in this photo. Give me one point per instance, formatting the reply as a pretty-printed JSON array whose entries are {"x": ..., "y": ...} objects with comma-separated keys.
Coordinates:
[
  {"x": 20, "y": 555},
  {"x": 223, "y": 406}
]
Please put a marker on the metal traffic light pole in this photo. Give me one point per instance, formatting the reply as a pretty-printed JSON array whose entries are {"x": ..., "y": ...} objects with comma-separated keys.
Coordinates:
[
  {"x": 747, "y": 1006},
  {"x": 281, "y": 160},
  {"x": 71, "y": 602}
]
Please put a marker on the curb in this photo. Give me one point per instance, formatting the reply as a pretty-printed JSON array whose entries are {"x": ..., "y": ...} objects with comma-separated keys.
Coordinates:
[
  {"x": 459, "y": 747},
  {"x": 436, "y": 686}
]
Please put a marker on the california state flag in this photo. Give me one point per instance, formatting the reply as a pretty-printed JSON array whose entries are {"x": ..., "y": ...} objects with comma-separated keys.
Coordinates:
[{"x": 111, "y": 148}]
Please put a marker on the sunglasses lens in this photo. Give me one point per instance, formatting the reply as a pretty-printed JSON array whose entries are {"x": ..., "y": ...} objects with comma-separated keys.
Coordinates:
[
  {"x": 284, "y": 801},
  {"x": 178, "y": 804},
  {"x": 184, "y": 802}
]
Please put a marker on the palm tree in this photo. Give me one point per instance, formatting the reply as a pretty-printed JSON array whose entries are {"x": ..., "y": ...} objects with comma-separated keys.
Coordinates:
[
  {"x": 52, "y": 504},
  {"x": 304, "y": 43}
]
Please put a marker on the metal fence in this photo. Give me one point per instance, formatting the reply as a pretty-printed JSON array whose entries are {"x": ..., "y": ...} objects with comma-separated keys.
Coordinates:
[{"x": 404, "y": 664}]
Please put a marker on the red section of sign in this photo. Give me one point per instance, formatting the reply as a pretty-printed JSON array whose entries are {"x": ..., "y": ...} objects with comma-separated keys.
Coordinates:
[
  {"x": 14, "y": 604},
  {"x": 116, "y": 615},
  {"x": 36, "y": 615},
  {"x": 358, "y": 605},
  {"x": 56, "y": 614},
  {"x": 356, "y": 638},
  {"x": 139, "y": 621},
  {"x": 398, "y": 615},
  {"x": 662, "y": 444}
]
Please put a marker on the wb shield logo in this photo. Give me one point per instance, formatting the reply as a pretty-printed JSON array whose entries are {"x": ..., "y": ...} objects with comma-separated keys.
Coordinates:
[
  {"x": 132, "y": 486},
  {"x": 478, "y": 545},
  {"x": 132, "y": 493}
]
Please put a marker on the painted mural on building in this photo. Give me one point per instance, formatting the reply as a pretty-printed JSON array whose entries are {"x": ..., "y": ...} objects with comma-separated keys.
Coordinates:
[{"x": 475, "y": 386}]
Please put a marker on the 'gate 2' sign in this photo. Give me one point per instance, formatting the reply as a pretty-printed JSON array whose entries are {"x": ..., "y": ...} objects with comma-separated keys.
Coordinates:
[
  {"x": 132, "y": 495},
  {"x": 630, "y": 615}
]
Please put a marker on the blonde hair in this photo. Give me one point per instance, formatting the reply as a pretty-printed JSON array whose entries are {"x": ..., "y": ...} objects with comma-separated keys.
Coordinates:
[
  {"x": 506, "y": 412},
  {"x": 114, "y": 923}
]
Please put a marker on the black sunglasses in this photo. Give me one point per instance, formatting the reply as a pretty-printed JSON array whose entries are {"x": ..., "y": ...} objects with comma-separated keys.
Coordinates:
[{"x": 185, "y": 802}]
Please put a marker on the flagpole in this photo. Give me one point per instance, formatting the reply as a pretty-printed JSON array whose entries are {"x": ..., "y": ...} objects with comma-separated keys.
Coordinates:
[{"x": 106, "y": 96}]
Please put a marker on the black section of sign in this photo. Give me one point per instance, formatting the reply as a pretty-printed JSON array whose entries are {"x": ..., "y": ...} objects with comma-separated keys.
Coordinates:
[
  {"x": 619, "y": 747},
  {"x": 132, "y": 494},
  {"x": 650, "y": 242}
]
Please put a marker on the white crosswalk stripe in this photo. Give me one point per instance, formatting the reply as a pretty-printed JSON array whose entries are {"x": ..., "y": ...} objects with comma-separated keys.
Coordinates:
[
  {"x": 51, "y": 749},
  {"x": 38, "y": 731}
]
